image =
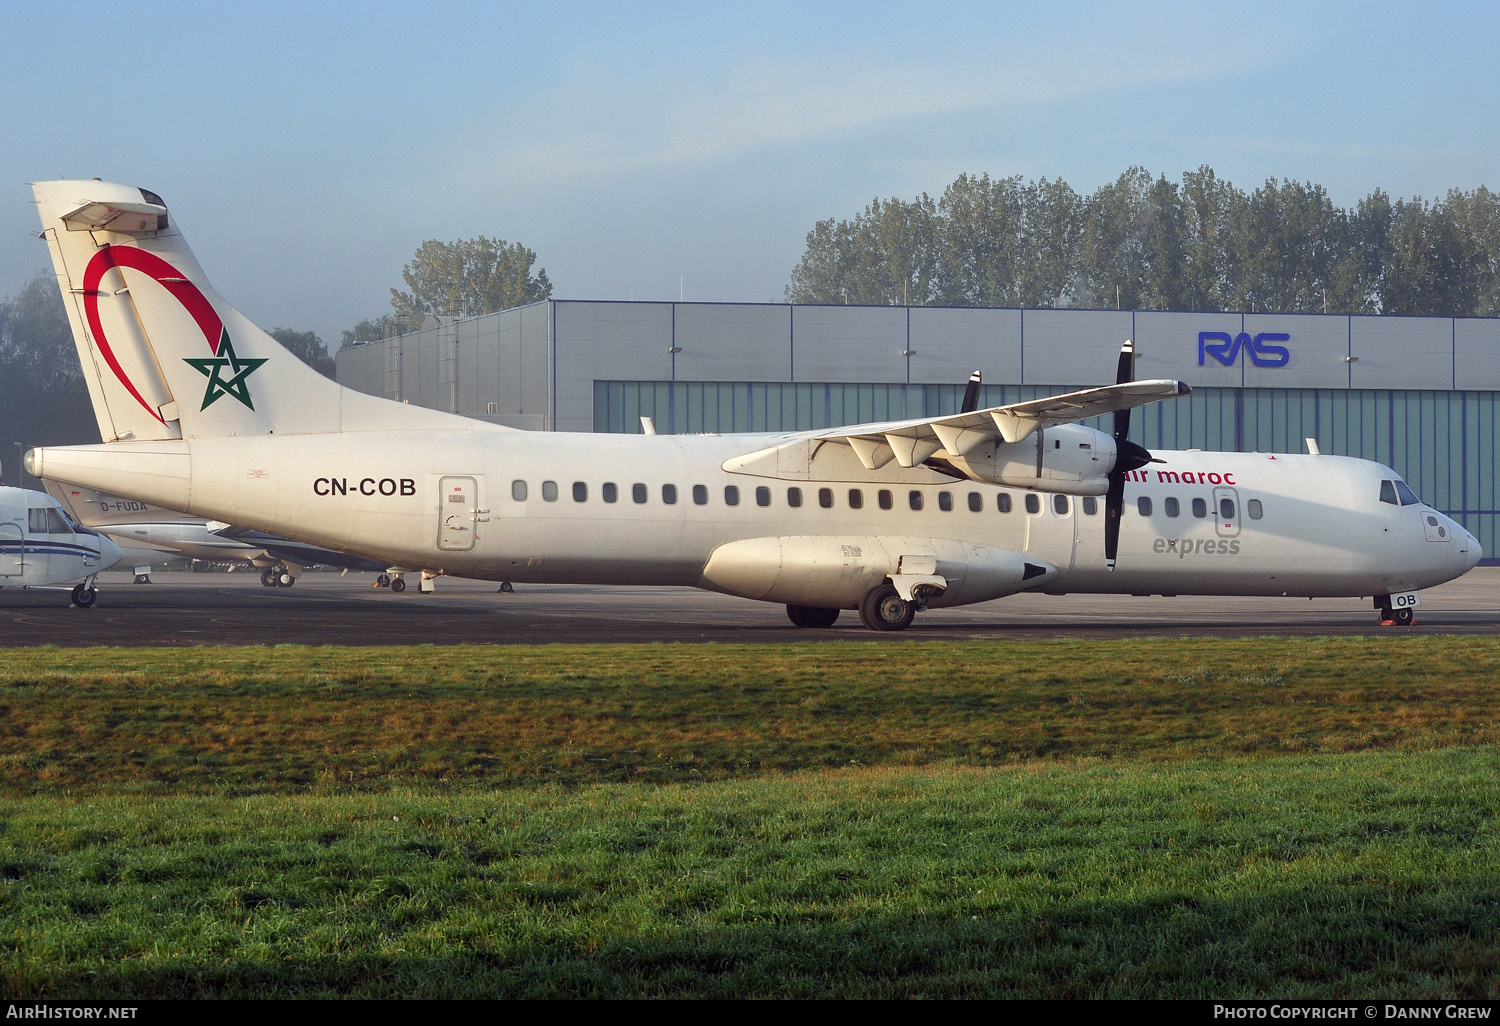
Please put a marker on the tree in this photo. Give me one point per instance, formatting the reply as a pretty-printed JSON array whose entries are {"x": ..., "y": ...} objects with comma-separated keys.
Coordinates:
[
  {"x": 466, "y": 278},
  {"x": 307, "y": 347},
  {"x": 43, "y": 398}
]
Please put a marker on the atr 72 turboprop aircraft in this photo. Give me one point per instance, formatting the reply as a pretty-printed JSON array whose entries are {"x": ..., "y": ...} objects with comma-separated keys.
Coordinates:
[{"x": 202, "y": 411}]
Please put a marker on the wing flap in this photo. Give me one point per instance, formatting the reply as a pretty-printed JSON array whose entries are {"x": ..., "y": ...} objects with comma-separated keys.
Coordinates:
[{"x": 913, "y": 441}]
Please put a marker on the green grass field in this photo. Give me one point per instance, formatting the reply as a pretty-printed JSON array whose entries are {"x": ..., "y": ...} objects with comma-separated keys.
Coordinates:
[{"x": 1159, "y": 818}]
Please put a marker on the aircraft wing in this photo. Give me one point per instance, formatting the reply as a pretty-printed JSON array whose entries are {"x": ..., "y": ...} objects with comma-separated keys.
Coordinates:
[{"x": 909, "y": 442}]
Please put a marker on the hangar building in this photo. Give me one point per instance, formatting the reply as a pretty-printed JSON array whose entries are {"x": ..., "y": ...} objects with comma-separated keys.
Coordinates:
[{"x": 1416, "y": 393}]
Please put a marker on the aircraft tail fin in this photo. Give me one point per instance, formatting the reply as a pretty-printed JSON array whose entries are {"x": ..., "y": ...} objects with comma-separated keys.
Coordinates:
[{"x": 164, "y": 355}]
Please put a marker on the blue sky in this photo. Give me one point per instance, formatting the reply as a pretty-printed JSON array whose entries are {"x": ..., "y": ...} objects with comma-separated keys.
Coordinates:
[{"x": 307, "y": 149}]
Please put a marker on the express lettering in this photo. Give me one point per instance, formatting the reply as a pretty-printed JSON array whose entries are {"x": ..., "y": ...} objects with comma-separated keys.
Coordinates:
[
  {"x": 1226, "y": 348},
  {"x": 1185, "y": 547},
  {"x": 364, "y": 486}
]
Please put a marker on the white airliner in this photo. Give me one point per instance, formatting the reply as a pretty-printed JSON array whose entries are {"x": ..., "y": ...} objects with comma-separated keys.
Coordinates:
[
  {"x": 202, "y": 411},
  {"x": 40, "y": 548}
]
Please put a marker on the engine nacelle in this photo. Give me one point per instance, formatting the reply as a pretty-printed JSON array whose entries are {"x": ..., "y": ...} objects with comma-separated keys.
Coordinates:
[
  {"x": 1074, "y": 459},
  {"x": 836, "y": 572}
]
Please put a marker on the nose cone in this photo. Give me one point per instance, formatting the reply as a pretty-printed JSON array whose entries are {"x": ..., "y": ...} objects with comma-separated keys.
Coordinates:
[
  {"x": 109, "y": 553},
  {"x": 1471, "y": 550}
]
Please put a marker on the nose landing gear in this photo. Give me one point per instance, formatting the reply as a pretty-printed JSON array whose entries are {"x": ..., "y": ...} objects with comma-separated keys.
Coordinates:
[{"x": 1397, "y": 610}]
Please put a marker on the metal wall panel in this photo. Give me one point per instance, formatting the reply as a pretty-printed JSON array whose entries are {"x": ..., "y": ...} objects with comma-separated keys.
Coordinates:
[
  {"x": 732, "y": 342},
  {"x": 849, "y": 343},
  {"x": 1401, "y": 352},
  {"x": 1476, "y": 356},
  {"x": 950, "y": 343},
  {"x": 1316, "y": 351},
  {"x": 1169, "y": 348},
  {"x": 605, "y": 341},
  {"x": 533, "y": 365},
  {"x": 362, "y": 367},
  {"x": 1072, "y": 347}
]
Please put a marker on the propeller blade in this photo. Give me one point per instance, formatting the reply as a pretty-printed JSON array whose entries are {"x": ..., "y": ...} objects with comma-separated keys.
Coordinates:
[
  {"x": 1125, "y": 370},
  {"x": 1128, "y": 457},
  {"x": 1114, "y": 501},
  {"x": 971, "y": 394}
]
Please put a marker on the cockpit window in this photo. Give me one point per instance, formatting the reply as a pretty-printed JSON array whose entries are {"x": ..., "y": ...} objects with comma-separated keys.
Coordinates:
[
  {"x": 1398, "y": 493},
  {"x": 47, "y": 520}
]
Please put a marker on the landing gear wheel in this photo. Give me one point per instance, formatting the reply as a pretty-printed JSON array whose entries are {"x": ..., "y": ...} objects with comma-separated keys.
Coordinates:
[
  {"x": 883, "y": 609},
  {"x": 1404, "y": 617},
  {"x": 507, "y": 587},
  {"x": 383, "y": 581},
  {"x": 285, "y": 580},
  {"x": 84, "y": 596},
  {"x": 268, "y": 577},
  {"x": 398, "y": 584},
  {"x": 811, "y": 616}
]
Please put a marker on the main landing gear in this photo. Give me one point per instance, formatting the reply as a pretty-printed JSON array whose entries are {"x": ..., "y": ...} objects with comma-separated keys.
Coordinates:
[
  {"x": 883, "y": 609},
  {"x": 277, "y": 577},
  {"x": 811, "y": 616}
]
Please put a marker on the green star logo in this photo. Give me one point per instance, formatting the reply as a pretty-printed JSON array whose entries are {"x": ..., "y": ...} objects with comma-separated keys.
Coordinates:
[{"x": 216, "y": 369}]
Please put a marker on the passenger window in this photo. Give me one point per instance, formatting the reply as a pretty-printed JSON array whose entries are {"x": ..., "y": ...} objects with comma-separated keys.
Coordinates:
[
  {"x": 794, "y": 497},
  {"x": 609, "y": 491},
  {"x": 914, "y": 499},
  {"x": 1003, "y": 502},
  {"x": 1090, "y": 505},
  {"x": 1033, "y": 504},
  {"x": 1060, "y": 505},
  {"x": 1200, "y": 508},
  {"x": 669, "y": 494},
  {"x": 638, "y": 493},
  {"x": 856, "y": 499},
  {"x": 1171, "y": 507},
  {"x": 825, "y": 498},
  {"x": 580, "y": 492},
  {"x": 549, "y": 491},
  {"x": 945, "y": 501},
  {"x": 885, "y": 498},
  {"x": 1143, "y": 505},
  {"x": 518, "y": 490},
  {"x": 762, "y": 496},
  {"x": 700, "y": 495},
  {"x": 1226, "y": 509},
  {"x": 731, "y": 495},
  {"x": 1253, "y": 508},
  {"x": 976, "y": 502}
]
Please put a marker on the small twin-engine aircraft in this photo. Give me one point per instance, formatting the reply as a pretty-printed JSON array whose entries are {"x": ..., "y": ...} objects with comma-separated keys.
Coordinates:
[
  {"x": 147, "y": 532},
  {"x": 40, "y": 547},
  {"x": 202, "y": 411}
]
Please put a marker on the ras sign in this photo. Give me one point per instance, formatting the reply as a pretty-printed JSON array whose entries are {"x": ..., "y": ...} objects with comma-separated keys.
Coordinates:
[{"x": 1226, "y": 348}]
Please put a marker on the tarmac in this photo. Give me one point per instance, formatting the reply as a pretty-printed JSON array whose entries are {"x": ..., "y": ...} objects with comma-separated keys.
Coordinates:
[{"x": 329, "y": 608}]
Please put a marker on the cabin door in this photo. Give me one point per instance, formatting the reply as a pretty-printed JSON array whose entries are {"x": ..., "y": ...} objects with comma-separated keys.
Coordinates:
[
  {"x": 458, "y": 513},
  {"x": 12, "y": 552}
]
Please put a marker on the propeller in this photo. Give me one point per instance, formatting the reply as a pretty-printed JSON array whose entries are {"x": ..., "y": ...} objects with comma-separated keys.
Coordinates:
[{"x": 1128, "y": 457}]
